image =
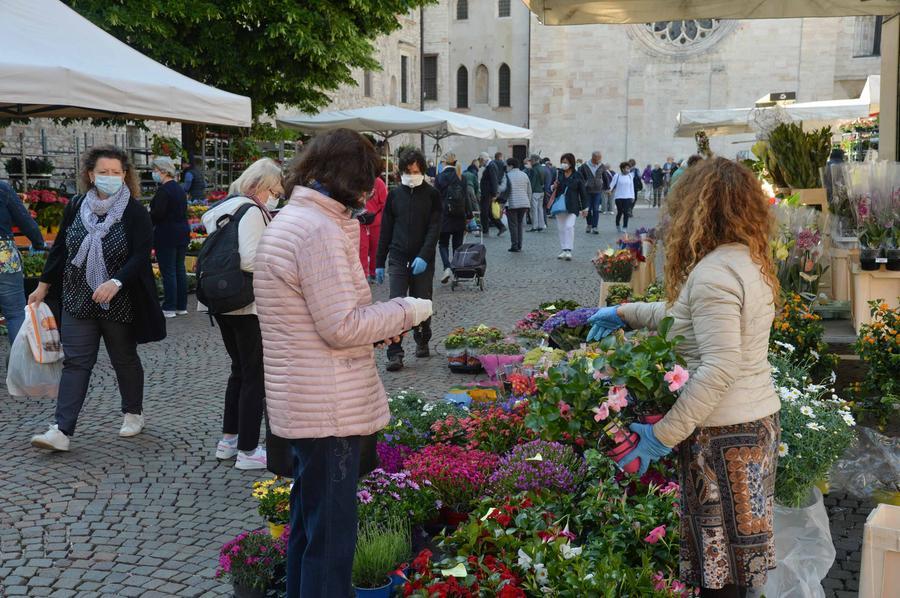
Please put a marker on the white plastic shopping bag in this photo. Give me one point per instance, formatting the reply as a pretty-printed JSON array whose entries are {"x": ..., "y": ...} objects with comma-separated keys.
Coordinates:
[
  {"x": 25, "y": 377},
  {"x": 42, "y": 333}
]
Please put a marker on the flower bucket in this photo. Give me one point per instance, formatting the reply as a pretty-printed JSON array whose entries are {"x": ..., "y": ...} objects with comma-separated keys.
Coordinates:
[
  {"x": 868, "y": 259},
  {"x": 276, "y": 530},
  {"x": 623, "y": 448},
  {"x": 491, "y": 363},
  {"x": 241, "y": 591},
  {"x": 382, "y": 592}
]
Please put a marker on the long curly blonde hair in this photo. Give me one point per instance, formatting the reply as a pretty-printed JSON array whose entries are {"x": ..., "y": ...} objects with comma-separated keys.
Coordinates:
[{"x": 717, "y": 201}]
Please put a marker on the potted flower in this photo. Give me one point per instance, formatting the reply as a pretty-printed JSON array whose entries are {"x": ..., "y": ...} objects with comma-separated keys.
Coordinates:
[
  {"x": 251, "y": 561},
  {"x": 411, "y": 418},
  {"x": 455, "y": 344},
  {"x": 274, "y": 502},
  {"x": 619, "y": 294},
  {"x": 537, "y": 465},
  {"x": 568, "y": 329},
  {"x": 32, "y": 268},
  {"x": 495, "y": 355},
  {"x": 893, "y": 252},
  {"x": 383, "y": 496},
  {"x": 615, "y": 265},
  {"x": 380, "y": 547}
]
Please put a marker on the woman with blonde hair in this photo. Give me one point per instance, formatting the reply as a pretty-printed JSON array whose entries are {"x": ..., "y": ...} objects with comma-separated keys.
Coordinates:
[
  {"x": 252, "y": 196},
  {"x": 100, "y": 266},
  {"x": 721, "y": 289}
]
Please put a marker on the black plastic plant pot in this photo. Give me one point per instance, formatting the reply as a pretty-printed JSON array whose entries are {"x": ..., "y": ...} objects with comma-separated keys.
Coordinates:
[
  {"x": 893, "y": 259},
  {"x": 868, "y": 257}
]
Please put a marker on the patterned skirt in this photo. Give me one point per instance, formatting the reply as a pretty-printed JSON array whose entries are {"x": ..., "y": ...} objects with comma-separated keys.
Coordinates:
[{"x": 727, "y": 477}]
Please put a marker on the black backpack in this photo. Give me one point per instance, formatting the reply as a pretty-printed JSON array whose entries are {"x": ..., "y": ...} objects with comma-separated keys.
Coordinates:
[
  {"x": 638, "y": 183},
  {"x": 455, "y": 198},
  {"x": 221, "y": 284}
]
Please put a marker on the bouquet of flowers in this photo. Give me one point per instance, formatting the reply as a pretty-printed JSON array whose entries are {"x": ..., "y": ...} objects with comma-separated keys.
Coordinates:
[
  {"x": 615, "y": 265},
  {"x": 797, "y": 250},
  {"x": 537, "y": 465},
  {"x": 274, "y": 498},
  {"x": 493, "y": 429},
  {"x": 458, "y": 475},
  {"x": 568, "y": 329},
  {"x": 383, "y": 496},
  {"x": 251, "y": 559}
]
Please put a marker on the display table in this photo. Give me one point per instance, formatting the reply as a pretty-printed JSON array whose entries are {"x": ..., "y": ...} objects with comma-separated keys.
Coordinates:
[
  {"x": 840, "y": 274},
  {"x": 869, "y": 285},
  {"x": 645, "y": 274}
]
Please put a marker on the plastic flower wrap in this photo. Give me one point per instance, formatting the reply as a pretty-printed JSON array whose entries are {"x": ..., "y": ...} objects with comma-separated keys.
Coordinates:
[
  {"x": 797, "y": 250},
  {"x": 874, "y": 192}
]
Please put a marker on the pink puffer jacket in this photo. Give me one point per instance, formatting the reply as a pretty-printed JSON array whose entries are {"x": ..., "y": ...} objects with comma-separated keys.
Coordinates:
[{"x": 319, "y": 324}]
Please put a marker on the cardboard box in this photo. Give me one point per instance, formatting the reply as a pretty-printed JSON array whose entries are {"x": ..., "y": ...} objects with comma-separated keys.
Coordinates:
[{"x": 880, "y": 572}]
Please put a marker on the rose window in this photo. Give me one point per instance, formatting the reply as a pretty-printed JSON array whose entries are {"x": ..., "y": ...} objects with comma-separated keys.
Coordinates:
[{"x": 683, "y": 33}]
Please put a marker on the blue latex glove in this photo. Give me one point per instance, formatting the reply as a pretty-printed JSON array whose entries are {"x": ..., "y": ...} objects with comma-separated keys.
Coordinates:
[
  {"x": 649, "y": 449},
  {"x": 379, "y": 275},
  {"x": 603, "y": 323},
  {"x": 418, "y": 266}
]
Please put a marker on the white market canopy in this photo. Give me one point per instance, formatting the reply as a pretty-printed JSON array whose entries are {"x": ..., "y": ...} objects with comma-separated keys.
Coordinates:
[
  {"x": 582, "y": 12},
  {"x": 55, "y": 63},
  {"x": 386, "y": 121},
  {"x": 481, "y": 128},
  {"x": 732, "y": 121}
]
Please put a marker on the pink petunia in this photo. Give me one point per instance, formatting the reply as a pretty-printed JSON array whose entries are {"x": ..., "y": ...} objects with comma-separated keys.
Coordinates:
[
  {"x": 618, "y": 398},
  {"x": 677, "y": 378},
  {"x": 601, "y": 412},
  {"x": 565, "y": 410},
  {"x": 656, "y": 534}
]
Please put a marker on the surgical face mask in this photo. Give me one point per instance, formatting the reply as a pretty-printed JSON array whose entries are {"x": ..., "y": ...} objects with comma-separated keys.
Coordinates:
[
  {"x": 109, "y": 185},
  {"x": 564, "y": 165},
  {"x": 272, "y": 202},
  {"x": 412, "y": 180},
  {"x": 157, "y": 178}
]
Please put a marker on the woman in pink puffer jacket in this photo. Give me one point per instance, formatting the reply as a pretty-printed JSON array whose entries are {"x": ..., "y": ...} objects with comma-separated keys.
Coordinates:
[{"x": 319, "y": 326}]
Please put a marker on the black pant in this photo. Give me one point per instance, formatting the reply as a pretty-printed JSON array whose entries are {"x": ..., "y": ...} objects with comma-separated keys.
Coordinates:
[
  {"x": 245, "y": 394},
  {"x": 403, "y": 284},
  {"x": 657, "y": 195},
  {"x": 623, "y": 205},
  {"x": 457, "y": 238},
  {"x": 729, "y": 591},
  {"x": 81, "y": 343},
  {"x": 516, "y": 217},
  {"x": 323, "y": 517},
  {"x": 487, "y": 216}
]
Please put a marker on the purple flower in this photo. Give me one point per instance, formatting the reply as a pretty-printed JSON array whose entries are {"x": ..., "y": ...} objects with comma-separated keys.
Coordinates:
[
  {"x": 808, "y": 239},
  {"x": 556, "y": 320},
  {"x": 579, "y": 317},
  {"x": 559, "y": 468},
  {"x": 391, "y": 456}
]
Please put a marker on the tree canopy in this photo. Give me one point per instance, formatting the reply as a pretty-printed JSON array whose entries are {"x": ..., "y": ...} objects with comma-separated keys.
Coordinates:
[{"x": 277, "y": 52}]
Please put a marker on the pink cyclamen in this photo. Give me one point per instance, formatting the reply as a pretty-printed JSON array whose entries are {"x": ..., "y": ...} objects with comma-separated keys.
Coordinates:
[
  {"x": 677, "y": 378},
  {"x": 656, "y": 534}
]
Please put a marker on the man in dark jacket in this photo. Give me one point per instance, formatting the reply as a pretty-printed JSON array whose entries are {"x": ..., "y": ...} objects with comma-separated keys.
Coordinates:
[
  {"x": 490, "y": 189},
  {"x": 592, "y": 173},
  {"x": 410, "y": 228},
  {"x": 658, "y": 178},
  {"x": 193, "y": 179}
]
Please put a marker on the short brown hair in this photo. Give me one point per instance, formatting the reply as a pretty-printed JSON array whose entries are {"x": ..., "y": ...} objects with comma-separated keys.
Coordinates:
[
  {"x": 342, "y": 161},
  {"x": 114, "y": 153}
]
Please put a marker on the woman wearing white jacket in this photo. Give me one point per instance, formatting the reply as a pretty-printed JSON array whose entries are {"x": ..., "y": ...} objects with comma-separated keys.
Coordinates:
[{"x": 260, "y": 186}]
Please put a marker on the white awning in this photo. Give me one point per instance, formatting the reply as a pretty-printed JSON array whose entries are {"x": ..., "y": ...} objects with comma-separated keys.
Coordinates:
[
  {"x": 55, "y": 63},
  {"x": 385, "y": 121},
  {"x": 481, "y": 128},
  {"x": 581, "y": 12},
  {"x": 732, "y": 121}
]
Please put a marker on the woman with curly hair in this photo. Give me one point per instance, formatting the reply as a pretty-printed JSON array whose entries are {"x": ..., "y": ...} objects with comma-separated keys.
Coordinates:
[{"x": 721, "y": 288}]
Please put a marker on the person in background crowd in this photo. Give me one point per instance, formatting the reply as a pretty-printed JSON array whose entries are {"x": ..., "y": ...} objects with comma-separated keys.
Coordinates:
[
  {"x": 261, "y": 187},
  {"x": 622, "y": 187},
  {"x": 658, "y": 180},
  {"x": 592, "y": 173},
  {"x": 318, "y": 327},
  {"x": 684, "y": 166},
  {"x": 721, "y": 289},
  {"x": 535, "y": 173},
  {"x": 647, "y": 179},
  {"x": 100, "y": 265},
  {"x": 669, "y": 169},
  {"x": 568, "y": 183},
  {"x": 499, "y": 164},
  {"x": 490, "y": 189},
  {"x": 453, "y": 226},
  {"x": 370, "y": 228},
  {"x": 193, "y": 179},
  {"x": 471, "y": 175},
  {"x": 171, "y": 235},
  {"x": 638, "y": 185},
  {"x": 12, "y": 296},
  {"x": 518, "y": 204},
  {"x": 409, "y": 234},
  {"x": 606, "y": 194}
]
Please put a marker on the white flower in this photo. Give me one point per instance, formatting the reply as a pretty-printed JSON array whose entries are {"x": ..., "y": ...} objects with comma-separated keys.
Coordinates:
[
  {"x": 782, "y": 449},
  {"x": 524, "y": 560},
  {"x": 814, "y": 353},
  {"x": 833, "y": 376},
  {"x": 814, "y": 426},
  {"x": 546, "y": 590},
  {"x": 787, "y": 346},
  {"x": 789, "y": 394},
  {"x": 588, "y": 577},
  {"x": 568, "y": 552},
  {"x": 540, "y": 574},
  {"x": 798, "y": 434},
  {"x": 807, "y": 411},
  {"x": 848, "y": 419},
  {"x": 428, "y": 407}
]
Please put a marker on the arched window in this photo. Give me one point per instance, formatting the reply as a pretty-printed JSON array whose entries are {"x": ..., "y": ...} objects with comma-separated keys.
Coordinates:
[
  {"x": 503, "y": 8},
  {"x": 462, "y": 10},
  {"x": 503, "y": 95},
  {"x": 482, "y": 89},
  {"x": 462, "y": 87}
]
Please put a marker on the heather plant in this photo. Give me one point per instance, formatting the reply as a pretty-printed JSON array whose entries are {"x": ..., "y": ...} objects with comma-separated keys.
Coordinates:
[{"x": 537, "y": 465}]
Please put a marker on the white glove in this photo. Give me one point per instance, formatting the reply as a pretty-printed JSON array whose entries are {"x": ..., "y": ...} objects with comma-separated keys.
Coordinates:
[{"x": 422, "y": 309}]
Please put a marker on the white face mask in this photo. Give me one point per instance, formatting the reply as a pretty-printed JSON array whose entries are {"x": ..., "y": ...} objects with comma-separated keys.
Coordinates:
[
  {"x": 564, "y": 165},
  {"x": 272, "y": 202},
  {"x": 412, "y": 180}
]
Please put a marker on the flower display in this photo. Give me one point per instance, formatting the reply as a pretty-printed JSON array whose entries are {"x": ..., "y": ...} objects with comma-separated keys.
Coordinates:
[
  {"x": 615, "y": 265},
  {"x": 252, "y": 558},
  {"x": 537, "y": 465},
  {"x": 274, "y": 498},
  {"x": 568, "y": 329},
  {"x": 458, "y": 475},
  {"x": 878, "y": 345},
  {"x": 493, "y": 429},
  {"x": 799, "y": 330},
  {"x": 412, "y": 417},
  {"x": 383, "y": 496},
  {"x": 392, "y": 456}
]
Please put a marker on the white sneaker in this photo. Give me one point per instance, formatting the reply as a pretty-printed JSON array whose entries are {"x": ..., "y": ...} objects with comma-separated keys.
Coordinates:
[
  {"x": 181, "y": 312},
  {"x": 561, "y": 256},
  {"x": 448, "y": 273},
  {"x": 132, "y": 425},
  {"x": 52, "y": 440},
  {"x": 568, "y": 256},
  {"x": 254, "y": 460},
  {"x": 227, "y": 448},
  {"x": 169, "y": 314}
]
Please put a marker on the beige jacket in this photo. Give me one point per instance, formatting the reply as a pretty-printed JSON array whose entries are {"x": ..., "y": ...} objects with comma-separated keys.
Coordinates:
[
  {"x": 319, "y": 324},
  {"x": 725, "y": 313}
]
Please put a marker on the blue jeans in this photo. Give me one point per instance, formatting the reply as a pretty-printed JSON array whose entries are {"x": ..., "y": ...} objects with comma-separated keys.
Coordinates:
[
  {"x": 12, "y": 302},
  {"x": 594, "y": 207},
  {"x": 174, "y": 277},
  {"x": 323, "y": 517}
]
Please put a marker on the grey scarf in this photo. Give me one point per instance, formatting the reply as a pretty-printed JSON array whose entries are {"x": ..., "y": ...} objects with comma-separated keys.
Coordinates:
[{"x": 91, "y": 250}]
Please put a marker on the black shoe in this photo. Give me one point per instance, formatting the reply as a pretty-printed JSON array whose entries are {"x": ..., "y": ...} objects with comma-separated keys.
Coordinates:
[
  {"x": 596, "y": 232},
  {"x": 532, "y": 230},
  {"x": 502, "y": 230},
  {"x": 421, "y": 351},
  {"x": 395, "y": 364}
]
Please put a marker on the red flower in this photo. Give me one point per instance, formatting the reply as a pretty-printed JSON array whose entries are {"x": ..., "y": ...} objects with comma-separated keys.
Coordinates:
[
  {"x": 422, "y": 562},
  {"x": 511, "y": 591}
]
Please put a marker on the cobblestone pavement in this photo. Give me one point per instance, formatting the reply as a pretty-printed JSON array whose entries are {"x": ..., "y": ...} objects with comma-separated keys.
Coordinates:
[{"x": 146, "y": 516}]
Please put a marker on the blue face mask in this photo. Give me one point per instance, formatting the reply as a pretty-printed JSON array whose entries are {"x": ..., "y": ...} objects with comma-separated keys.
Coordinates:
[
  {"x": 109, "y": 185},
  {"x": 156, "y": 177}
]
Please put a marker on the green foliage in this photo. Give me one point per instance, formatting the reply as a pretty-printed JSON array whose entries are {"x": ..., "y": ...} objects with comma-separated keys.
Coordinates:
[
  {"x": 878, "y": 346},
  {"x": 412, "y": 416},
  {"x": 34, "y": 165},
  {"x": 379, "y": 549},
  {"x": 799, "y": 331},
  {"x": 798, "y": 154},
  {"x": 167, "y": 146},
  {"x": 33, "y": 264},
  {"x": 277, "y": 52},
  {"x": 500, "y": 348},
  {"x": 559, "y": 305}
]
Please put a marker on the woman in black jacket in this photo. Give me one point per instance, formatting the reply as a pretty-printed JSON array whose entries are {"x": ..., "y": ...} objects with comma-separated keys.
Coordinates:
[
  {"x": 568, "y": 183},
  {"x": 100, "y": 265},
  {"x": 451, "y": 185},
  {"x": 171, "y": 234}
]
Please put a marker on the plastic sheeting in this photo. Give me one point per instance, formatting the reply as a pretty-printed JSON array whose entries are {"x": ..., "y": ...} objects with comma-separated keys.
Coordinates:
[
  {"x": 803, "y": 551},
  {"x": 870, "y": 467}
]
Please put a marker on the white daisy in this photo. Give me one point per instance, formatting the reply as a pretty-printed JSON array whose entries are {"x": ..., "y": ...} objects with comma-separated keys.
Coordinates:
[
  {"x": 814, "y": 426},
  {"x": 782, "y": 449},
  {"x": 807, "y": 411},
  {"x": 786, "y": 346}
]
